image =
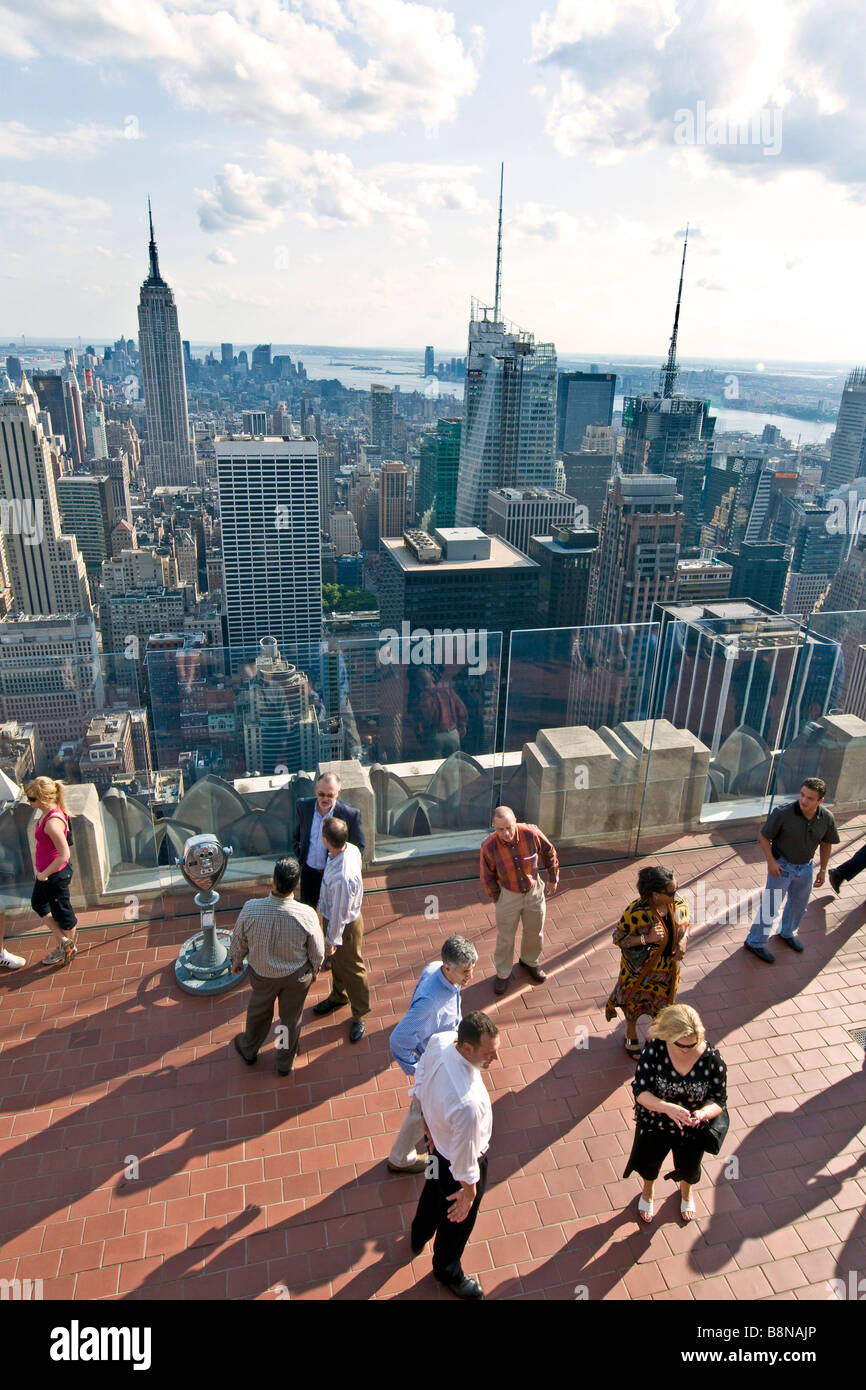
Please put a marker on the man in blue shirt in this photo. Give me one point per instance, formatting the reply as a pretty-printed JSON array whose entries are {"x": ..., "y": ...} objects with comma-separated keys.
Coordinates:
[{"x": 435, "y": 1008}]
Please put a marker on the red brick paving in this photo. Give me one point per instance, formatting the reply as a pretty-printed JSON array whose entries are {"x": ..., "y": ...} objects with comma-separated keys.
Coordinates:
[{"x": 249, "y": 1186}]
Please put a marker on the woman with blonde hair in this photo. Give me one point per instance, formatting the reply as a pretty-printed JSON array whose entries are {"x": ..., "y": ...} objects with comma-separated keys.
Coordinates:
[
  {"x": 679, "y": 1088},
  {"x": 50, "y": 898},
  {"x": 652, "y": 935}
]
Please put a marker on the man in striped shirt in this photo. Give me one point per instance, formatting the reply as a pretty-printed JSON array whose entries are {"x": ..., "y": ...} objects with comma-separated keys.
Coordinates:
[
  {"x": 284, "y": 943},
  {"x": 510, "y": 862}
]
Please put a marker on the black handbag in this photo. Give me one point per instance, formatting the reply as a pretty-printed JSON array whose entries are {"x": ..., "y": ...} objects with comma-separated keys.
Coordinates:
[{"x": 713, "y": 1132}]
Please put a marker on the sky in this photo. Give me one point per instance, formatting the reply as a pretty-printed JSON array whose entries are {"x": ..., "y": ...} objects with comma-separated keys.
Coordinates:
[{"x": 327, "y": 171}]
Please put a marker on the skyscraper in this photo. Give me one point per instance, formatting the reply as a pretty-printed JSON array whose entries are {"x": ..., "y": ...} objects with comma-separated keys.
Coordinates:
[
  {"x": 393, "y": 478},
  {"x": 671, "y": 434},
  {"x": 44, "y": 567},
  {"x": 226, "y": 354},
  {"x": 516, "y": 513},
  {"x": 509, "y": 417},
  {"x": 816, "y": 555},
  {"x": 848, "y": 450},
  {"x": 589, "y": 471},
  {"x": 760, "y": 571},
  {"x": 169, "y": 457},
  {"x": 437, "y": 475},
  {"x": 76, "y": 441},
  {"x": 269, "y": 514},
  {"x": 565, "y": 560},
  {"x": 382, "y": 418},
  {"x": 582, "y": 399},
  {"x": 429, "y": 363},
  {"x": 87, "y": 509},
  {"x": 641, "y": 532}
]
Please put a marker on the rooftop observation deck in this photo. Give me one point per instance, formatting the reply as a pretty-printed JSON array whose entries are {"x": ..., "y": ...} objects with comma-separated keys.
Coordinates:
[{"x": 246, "y": 1182}]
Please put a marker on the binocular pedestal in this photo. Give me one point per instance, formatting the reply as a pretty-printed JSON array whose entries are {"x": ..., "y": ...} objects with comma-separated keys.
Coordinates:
[{"x": 203, "y": 966}]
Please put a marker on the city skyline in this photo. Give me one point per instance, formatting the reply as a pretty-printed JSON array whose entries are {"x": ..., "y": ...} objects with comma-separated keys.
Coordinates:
[{"x": 359, "y": 196}]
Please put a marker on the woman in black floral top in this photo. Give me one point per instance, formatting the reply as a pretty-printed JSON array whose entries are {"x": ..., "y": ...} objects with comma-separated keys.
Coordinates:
[{"x": 679, "y": 1085}]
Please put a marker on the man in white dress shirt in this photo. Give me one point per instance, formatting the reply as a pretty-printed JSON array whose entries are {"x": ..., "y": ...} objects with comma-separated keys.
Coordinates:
[
  {"x": 340, "y": 901},
  {"x": 459, "y": 1121}
]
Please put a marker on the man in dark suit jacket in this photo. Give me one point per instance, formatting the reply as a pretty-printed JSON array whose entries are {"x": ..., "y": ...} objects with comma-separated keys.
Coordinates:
[{"x": 310, "y": 850}]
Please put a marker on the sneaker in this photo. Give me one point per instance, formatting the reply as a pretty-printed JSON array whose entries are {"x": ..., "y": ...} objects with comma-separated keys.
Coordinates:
[
  {"x": 794, "y": 942},
  {"x": 10, "y": 962},
  {"x": 761, "y": 952},
  {"x": 835, "y": 880}
]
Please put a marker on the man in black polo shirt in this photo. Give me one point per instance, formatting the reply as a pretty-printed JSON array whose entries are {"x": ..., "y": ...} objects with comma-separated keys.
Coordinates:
[{"x": 789, "y": 838}]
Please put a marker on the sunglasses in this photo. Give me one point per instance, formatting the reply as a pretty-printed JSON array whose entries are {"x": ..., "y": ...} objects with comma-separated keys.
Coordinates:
[
  {"x": 687, "y": 1047},
  {"x": 32, "y": 800}
]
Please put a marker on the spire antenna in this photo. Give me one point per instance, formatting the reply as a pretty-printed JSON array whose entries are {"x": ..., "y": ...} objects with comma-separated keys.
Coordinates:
[
  {"x": 496, "y": 300},
  {"x": 154, "y": 262},
  {"x": 670, "y": 370}
]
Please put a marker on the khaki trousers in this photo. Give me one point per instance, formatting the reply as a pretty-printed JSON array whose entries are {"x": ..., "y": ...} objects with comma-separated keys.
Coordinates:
[
  {"x": 350, "y": 984},
  {"x": 409, "y": 1145},
  {"x": 512, "y": 909}
]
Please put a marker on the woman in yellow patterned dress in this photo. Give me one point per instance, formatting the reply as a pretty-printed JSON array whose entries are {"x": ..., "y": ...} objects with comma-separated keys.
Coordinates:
[{"x": 652, "y": 935}]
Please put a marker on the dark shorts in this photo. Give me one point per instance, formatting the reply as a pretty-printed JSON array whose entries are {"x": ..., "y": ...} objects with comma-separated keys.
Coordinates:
[
  {"x": 53, "y": 896},
  {"x": 651, "y": 1148}
]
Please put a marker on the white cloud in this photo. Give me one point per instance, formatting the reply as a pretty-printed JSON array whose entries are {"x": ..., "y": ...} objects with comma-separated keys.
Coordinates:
[
  {"x": 323, "y": 190},
  {"x": 454, "y": 196},
  {"x": 261, "y": 61},
  {"x": 35, "y": 205},
  {"x": 242, "y": 201},
  {"x": 20, "y": 141},
  {"x": 761, "y": 89},
  {"x": 714, "y": 285},
  {"x": 396, "y": 171},
  {"x": 220, "y": 256},
  {"x": 539, "y": 220}
]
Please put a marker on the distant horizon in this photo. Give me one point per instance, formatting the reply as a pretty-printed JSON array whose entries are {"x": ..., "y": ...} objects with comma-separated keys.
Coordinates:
[{"x": 11, "y": 347}]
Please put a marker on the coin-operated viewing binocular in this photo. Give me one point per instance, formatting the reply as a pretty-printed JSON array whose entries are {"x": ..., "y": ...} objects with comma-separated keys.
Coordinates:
[{"x": 203, "y": 966}]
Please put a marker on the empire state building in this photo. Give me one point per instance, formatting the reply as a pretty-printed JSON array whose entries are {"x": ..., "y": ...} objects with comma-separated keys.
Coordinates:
[{"x": 169, "y": 455}]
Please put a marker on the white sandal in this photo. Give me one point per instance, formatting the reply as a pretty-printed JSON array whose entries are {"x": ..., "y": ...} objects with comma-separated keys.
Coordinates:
[
  {"x": 687, "y": 1210},
  {"x": 646, "y": 1210}
]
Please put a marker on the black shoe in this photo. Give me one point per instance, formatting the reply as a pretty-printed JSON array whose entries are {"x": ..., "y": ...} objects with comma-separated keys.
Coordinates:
[
  {"x": 500, "y": 985},
  {"x": 250, "y": 1061},
  {"x": 835, "y": 880},
  {"x": 357, "y": 1030},
  {"x": 535, "y": 971},
  {"x": 328, "y": 1006},
  {"x": 794, "y": 942},
  {"x": 760, "y": 951},
  {"x": 284, "y": 1068},
  {"x": 415, "y": 1247},
  {"x": 464, "y": 1287}
]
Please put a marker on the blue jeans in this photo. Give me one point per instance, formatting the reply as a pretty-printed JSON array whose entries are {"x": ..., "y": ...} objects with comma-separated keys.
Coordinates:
[{"x": 794, "y": 887}]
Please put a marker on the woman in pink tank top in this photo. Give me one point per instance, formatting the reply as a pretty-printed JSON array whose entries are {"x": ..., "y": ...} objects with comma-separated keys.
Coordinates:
[{"x": 53, "y": 870}]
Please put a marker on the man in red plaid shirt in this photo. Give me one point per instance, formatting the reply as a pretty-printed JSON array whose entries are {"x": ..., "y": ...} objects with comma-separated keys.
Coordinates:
[{"x": 510, "y": 862}]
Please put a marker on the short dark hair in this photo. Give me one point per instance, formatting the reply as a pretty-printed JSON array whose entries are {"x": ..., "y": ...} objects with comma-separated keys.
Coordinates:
[
  {"x": 474, "y": 1027},
  {"x": 335, "y": 831},
  {"x": 654, "y": 879},
  {"x": 815, "y": 784},
  {"x": 287, "y": 871}
]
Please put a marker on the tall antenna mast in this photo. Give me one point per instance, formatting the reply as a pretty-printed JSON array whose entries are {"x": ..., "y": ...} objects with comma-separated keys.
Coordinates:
[
  {"x": 499, "y": 248},
  {"x": 670, "y": 370},
  {"x": 154, "y": 262}
]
